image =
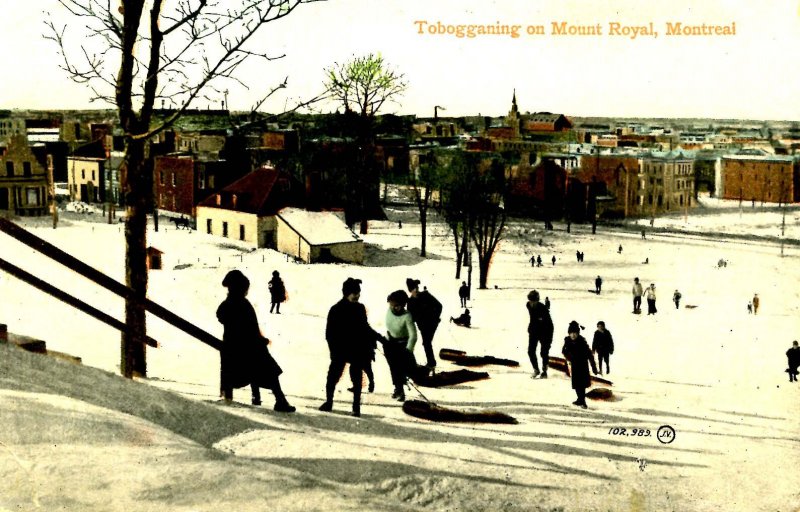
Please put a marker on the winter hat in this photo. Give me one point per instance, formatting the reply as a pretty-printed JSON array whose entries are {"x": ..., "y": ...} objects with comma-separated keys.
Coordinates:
[
  {"x": 275, "y": 273},
  {"x": 412, "y": 284},
  {"x": 236, "y": 281},
  {"x": 574, "y": 327},
  {"x": 350, "y": 286},
  {"x": 398, "y": 297},
  {"x": 533, "y": 295}
]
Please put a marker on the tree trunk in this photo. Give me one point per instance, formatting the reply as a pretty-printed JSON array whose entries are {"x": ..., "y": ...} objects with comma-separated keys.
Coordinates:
[
  {"x": 133, "y": 349},
  {"x": 483, "y": 271}
]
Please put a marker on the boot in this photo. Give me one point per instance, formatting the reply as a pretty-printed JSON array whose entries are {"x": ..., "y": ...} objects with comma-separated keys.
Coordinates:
[
  {"x": 536, "y": 372},
  {"x": 284, "y": 407},
  {"x": 357, "y": 410},
  {"x": 327, "y": 406}
]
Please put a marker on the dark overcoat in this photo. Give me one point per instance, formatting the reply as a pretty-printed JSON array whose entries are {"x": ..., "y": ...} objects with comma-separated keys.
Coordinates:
[
  {"x": 579, "y": 355},
  {"x": 603, "y": 342},
  {"x": 426, "y": 311},
  {"x": 348, "y": 333},
  {"x": 277, "y": 290},
  {"x": 245, "y": 356},
  {"x": 540, "y": 325}
]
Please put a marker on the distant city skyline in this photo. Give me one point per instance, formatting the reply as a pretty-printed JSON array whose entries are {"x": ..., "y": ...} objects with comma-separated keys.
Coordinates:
[{"x": 606, "y": 58}]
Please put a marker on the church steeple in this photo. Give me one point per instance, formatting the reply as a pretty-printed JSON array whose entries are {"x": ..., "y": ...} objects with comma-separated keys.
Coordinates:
[
  {"x": 514, "y": 102},
  {"x": 513, "y": 120}
]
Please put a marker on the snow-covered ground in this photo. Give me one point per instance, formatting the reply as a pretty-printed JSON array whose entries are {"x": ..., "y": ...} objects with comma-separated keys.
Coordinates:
[{"x": 81, "y": 438}]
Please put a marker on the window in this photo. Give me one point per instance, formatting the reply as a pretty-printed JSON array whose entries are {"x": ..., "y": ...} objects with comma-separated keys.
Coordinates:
[
  {"x": 174, "y": 181},
  {"x": 92, "y": 175},
  {"x": 225, "y": 229},
  {"x": 83, "y": 174},
  {"x": 208, "y": 226},
  {"x": 161, "y": 177},
  {"x": 32, "y": 196},
  {"x": 26, "y": 169},
  {"x": 201, "y": 180},
  {"x": 10, "y": 168},
  {"x": 241, "y": 231}
]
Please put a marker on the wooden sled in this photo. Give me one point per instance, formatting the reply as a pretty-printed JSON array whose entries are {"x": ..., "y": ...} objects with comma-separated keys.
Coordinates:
[
  {"x": 461, "y": 358},
  {"x": 560, "y": 364},
  {"x": 441, "y": 379},
  {"x": 433, "y": 412},
  {"x": 604, "y": 394}
]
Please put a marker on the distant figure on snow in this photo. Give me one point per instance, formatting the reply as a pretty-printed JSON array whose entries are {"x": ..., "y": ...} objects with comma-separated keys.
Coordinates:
[
  {"x": 643, "y": 235},
  {"x": 579, "y": 355},
  {"x": 749, "y": 308},
  {"x": 553, "y": 260},
  {"x": 619, "y": 250},
  {"x": 547, "y": 303},
  {"x": 399, "y": 224},
  {"x": 598, "y": 284},
  {"x": 646, "y": 261},
  {"x": 463, "y": 293},
  {"x": 756, "y": 303},
  {"x": 539, "y": 260},
  {"x": 426, "y": 312},
  {"x": 277, "y": 292},
  {"x": 793, "y": 356},
  {"x": 465, "y": 320},
  {"x": 603, "y": 346},
  {"x": 533, "y": 260},
  {"x": 578, "y": 256},
  {"x": 651, "y": 299},
  {"x": 350, "y": 340},
  {"x": 540, "y": 331},
  {"x": 637, "y": 291},
  {"x": 245, "y": 357},
  {"x": 676, "y": 298}
]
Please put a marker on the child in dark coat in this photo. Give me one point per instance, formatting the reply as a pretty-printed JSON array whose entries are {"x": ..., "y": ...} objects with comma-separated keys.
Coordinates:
[
  {"x": 576, "y": 351},
  {"x": 793, "y": 355},
  {"x": 245, "y": 358},
  {"x": 465, "y": 320}
]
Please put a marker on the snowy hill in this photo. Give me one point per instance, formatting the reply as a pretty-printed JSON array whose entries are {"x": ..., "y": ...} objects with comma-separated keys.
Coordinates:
[{"x": 81, "y": 438}]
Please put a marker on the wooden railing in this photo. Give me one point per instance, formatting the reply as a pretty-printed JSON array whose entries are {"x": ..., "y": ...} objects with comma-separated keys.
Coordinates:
[{"x": 94, "y": 275}]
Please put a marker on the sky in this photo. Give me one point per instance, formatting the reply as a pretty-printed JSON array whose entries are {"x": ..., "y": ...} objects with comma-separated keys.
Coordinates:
[{"x": 747, "y": 75}]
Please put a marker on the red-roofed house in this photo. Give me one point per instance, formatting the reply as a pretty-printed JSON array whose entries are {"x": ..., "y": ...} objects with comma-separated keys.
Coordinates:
[{"x": 245, "y": 210}]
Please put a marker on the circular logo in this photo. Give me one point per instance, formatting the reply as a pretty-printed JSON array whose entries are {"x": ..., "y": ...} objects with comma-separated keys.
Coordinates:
[{"x": 665, "y": 434}]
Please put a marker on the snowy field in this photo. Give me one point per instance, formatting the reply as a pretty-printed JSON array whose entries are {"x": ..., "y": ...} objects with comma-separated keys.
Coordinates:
[{"x": 81, "y": 438}]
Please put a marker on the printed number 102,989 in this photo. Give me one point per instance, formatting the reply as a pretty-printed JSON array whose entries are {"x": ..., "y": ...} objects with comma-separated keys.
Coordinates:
[{"x": 634, "y": 432}]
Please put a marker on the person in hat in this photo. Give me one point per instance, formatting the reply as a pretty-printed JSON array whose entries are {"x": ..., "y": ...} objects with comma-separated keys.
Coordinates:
[
  {"x": 426, "y": 311},
  {"x": 676, "y": 298},
  {"x": 401, "y": 339},
  {"x": 576, "y": 350},
  {"x": 277, "y": 292},
  {"x": 350, "y": 340},
  {"x": 540, "y": 331},
  {"x": 245, "y": 357}
]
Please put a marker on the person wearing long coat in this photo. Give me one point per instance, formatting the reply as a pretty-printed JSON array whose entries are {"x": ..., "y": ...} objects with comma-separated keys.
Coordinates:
[
  {"x": 277, "y": 292},
  {"x": 463, "y": 293},
  {"x": 540, "y": 332},
  {"x": 576, "y": 350},
  {"x": 650, "y": 294},
  {"x": 793, "y": 358},
  {"x": 245, "y": 357},
  {"x": 351, "y": 341}
]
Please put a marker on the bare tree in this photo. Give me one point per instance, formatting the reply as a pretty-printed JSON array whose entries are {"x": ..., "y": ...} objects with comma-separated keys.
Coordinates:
[
  {"x": 363, "y": 86},
  {"x": 488, "y": 214},
  {"x": 135, "y": 53},
  {"x": 425, "y": 179}
]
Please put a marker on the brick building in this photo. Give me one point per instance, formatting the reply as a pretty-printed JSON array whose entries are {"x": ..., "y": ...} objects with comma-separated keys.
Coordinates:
[
  {"x": 760, "y": 177},
  {"x": 666, "y": 182},
  {"x": 180, "y": 182}
]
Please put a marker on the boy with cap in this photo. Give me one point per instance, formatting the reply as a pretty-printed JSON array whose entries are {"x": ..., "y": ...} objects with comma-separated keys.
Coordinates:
[
  {"x": 579, "y": 355},
  {"x": 350, "y": 340}
]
